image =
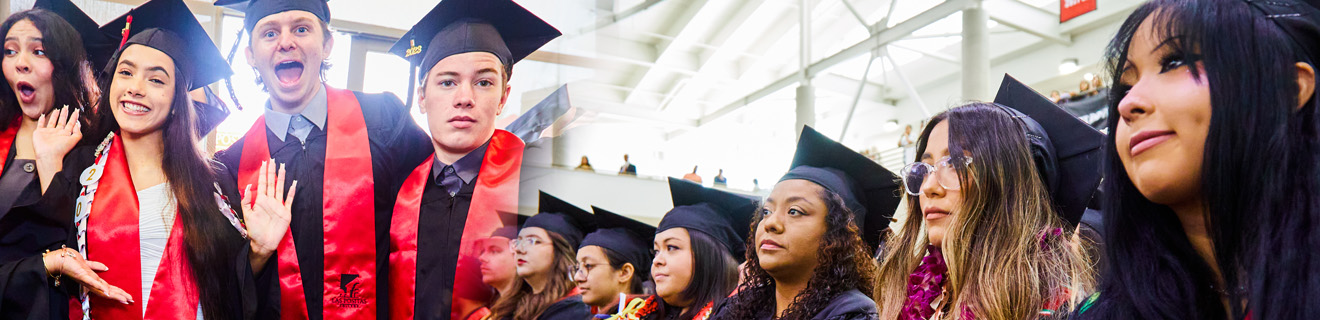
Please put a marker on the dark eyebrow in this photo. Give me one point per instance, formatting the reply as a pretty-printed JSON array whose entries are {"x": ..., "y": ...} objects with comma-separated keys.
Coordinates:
[
  {"x": 153, "y": 68},
  {"x": 487, "y": 70},
  {"x": 161, "y": 69},
  {"x": 37, "y": 39},
  {"x": 926, "y": 156},
  {"x": 1167, "y": 41},
  {"x": 798, "y": 198}
]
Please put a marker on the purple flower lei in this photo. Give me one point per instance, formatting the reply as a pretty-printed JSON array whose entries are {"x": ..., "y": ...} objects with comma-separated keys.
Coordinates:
[{"x": 924, "y": 285}]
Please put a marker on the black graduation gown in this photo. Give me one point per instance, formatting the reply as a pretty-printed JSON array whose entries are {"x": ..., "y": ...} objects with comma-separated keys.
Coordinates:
[
  {"x": 850, "y": 305},
  {"x": 571, "y": 308},
  {"x": 397, "y": 146},
  {"x": 441, "y": 222},
  {"x": 30, "y": 225},
  {"x": 28, "y": 276}
]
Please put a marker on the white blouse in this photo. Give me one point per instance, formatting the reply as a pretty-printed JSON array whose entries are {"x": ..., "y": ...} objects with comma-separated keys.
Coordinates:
[{"x": 157, "y": 209}]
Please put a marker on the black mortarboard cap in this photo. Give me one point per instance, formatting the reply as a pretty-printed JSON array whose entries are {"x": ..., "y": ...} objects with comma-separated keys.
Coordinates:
[
  {"x": 210, "y": 113},
  {"x": 562, "y": 218},
  {"x": 512, "y": 222},
  {"x": 724, "y": 216},
  {"x": 168, "y": 26},
  {"x": 1299, "y": 19},
  {"x": 530, "y": 124},
  {"x": 99, "y": 46},
  {"x": 500, "y": 27},
  {"x": 1067, "y": 151},
  {"x": 255, "y": 10},
  {"x": 868, "y": 189},
  {"x": 627, "y": 237}
]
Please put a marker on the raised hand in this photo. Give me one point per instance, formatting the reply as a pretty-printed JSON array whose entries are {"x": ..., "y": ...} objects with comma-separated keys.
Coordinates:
[
  {"x": 53, "y": 138},
  {"x": 67, "y": 262},
  {"x": 56, "y": 135},
  {"x": 267, "y": 213}
]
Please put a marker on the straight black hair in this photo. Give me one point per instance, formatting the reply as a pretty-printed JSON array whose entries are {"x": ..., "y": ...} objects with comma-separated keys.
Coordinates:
[
  {"x": 212, "y": 242},
  {"x": 714, "y": 276},
  {"x": 617, "y": 261},
  {"x": 63, "y": 46},
  {"x": 1259, "y": 178}
]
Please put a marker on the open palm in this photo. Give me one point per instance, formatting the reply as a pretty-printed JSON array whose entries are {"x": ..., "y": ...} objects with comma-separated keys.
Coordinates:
[
  {"x": 57, "y": 134},
  {"x": 266, "y": 213}
]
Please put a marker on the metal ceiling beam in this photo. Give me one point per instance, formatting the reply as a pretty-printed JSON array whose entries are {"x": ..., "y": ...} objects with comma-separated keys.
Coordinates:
[
  {"x": 610, "y": 19},
  {"x": 877, "y": 39},
  {"x": 1036, "y": 21},
  {"x": 675, "y": 52}
]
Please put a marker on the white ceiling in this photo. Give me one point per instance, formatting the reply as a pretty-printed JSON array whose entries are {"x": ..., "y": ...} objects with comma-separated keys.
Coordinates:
[{"x": 711, "y": 82}]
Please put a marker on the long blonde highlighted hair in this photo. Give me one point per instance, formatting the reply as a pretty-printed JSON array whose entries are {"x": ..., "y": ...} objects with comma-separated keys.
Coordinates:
[{"x": 1005, "y": 260}]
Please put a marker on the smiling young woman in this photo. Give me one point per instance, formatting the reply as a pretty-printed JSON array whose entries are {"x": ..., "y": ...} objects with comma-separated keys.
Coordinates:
[
  {"x": 1212, "y": 168},
  {"x": 149, "y": 204}
]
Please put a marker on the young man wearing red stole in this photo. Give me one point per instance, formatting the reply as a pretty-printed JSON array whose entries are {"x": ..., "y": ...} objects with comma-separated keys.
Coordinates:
[
  {"x": 348, "y": 151},
  {"x": 464, "y": 51}
]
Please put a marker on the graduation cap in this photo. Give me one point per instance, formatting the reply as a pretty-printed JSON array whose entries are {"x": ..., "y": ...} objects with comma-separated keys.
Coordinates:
[
  {"x": 724, "y": 216},
  {"x": 562, "y": 218},
  {"x": 168, "y": 26},
  {"x": 1300, "y": 19},
  {"x": 255, "y": 10},
  {"x": 1067, "y": 151},
  {"x": 627, "y": 237},
  {"x": 867, "y": 189},
  {"x": 530, "y": 124},
  {"x": 500, "y": 27},
  {"x": 99, "y": 46},
  {"x": 512, "y": 222}
]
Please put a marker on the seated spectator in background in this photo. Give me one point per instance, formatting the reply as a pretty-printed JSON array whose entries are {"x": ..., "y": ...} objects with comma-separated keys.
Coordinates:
[
  {"x": 628, "y": 168},
  {"x": 720, "y": 180},
  {"x": 585, "y": 165},
  {"x": 1054, "y": 96},
  {"x": 692, "y": 176}
]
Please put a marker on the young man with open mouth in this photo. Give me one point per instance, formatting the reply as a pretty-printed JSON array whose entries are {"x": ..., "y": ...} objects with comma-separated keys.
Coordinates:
[{"x": 348, "y": 150}]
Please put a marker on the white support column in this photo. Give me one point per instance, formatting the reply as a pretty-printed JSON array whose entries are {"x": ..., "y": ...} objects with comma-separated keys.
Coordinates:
[
  {"x": 806, "y": 107},
  {"x": 806, "y": 95},
  {"x": 975, "y": 53}
]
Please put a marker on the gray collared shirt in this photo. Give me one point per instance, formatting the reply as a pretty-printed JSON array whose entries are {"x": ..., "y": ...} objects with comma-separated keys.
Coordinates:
[
  {"x": 467, "y": 167},
  {"x": 278, "y": 122}
]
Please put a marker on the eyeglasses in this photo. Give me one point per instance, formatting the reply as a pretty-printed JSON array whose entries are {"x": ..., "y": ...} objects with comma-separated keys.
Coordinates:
[
  {"x": 915, "y": 174},
  {"x": 582, "y": 269},
  {"x": 521, "y": 244}
]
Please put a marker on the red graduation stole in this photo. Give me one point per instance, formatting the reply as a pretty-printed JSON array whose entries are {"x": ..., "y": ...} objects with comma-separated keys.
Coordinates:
[
  {"x": 113, "y": 239},
  {"x": 349, "y": 215},
  {"x": 7, "y": 140},
  {"x": 496, "y": 190}
]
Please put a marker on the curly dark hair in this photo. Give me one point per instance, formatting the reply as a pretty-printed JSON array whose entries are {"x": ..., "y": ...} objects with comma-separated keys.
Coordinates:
[{"x": 845, "y": 264}]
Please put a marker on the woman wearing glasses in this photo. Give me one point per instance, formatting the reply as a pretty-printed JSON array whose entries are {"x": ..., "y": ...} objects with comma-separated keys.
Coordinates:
[
  {"x": 543, "y": 255},
  {"x": 613, "y": 262},
  {"x": 983, "y": 238}
]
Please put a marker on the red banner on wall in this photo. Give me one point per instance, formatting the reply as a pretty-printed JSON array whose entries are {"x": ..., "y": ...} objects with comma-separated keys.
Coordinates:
[{"x": 1069, "y": 9}]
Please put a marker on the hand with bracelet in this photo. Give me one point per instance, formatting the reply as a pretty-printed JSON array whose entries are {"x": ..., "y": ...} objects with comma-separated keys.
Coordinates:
[{"x": 67, "y": 262}]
